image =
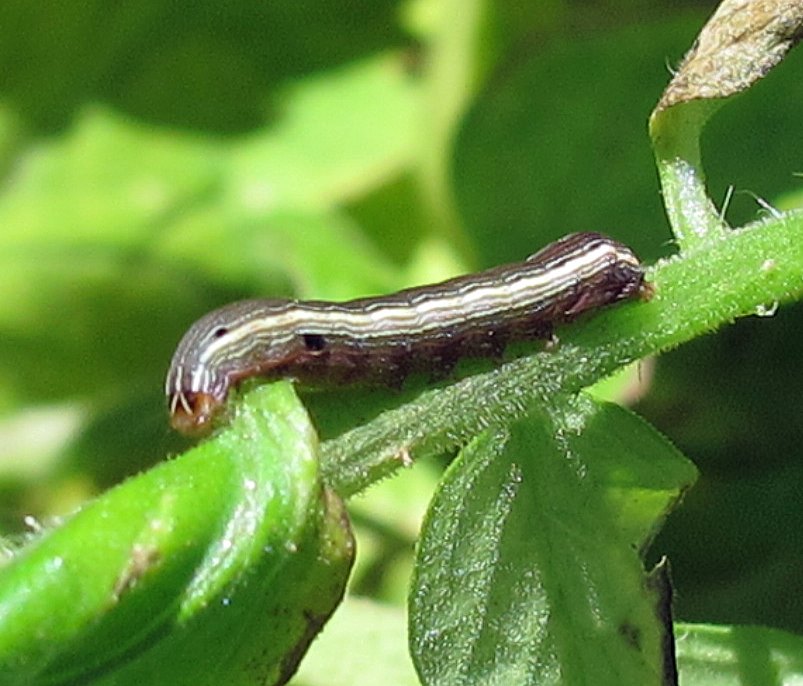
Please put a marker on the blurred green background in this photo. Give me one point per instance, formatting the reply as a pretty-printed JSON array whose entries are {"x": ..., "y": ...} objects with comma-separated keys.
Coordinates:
[{"x": 159, "y": 160}]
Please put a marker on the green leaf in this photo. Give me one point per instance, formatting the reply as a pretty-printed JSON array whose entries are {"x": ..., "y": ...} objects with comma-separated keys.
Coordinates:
[
  {"x": 738, "y": 656},
  {"x": 553, "y": 144},
  {"x": 313, "y": 254},
  {"x": 363, "y": 645},
  {"x": 207, "y": 67},
  {"x": 320, "y": 152},
  {"x": 218, "y": 566},
  {"x": 528, "y": 565},
  {"x": 453, "y": 72}
]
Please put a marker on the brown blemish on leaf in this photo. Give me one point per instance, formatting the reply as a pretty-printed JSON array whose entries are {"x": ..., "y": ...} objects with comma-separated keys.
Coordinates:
[
  {"x": 631, "y": 634},
  {"x": 141, "y": 560}
]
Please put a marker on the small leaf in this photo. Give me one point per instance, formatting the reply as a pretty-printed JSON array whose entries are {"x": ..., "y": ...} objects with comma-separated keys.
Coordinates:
[
  {"x": 217, "y": 567},
  {"x": 528, "y": 566}
]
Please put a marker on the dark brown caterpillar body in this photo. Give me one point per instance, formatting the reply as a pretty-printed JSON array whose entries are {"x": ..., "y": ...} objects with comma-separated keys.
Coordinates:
[{"x": 384, "y": 338}]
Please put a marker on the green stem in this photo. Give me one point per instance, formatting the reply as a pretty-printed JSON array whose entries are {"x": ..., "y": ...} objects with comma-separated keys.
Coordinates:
[
  {"x": 676, "y": 139},
  {"x": 451, "y": 80},
  {"x": 740, "y": 274}
]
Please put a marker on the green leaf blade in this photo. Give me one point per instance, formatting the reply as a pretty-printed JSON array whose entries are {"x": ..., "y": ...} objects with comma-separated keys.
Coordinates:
[
  {"x": 525, "y": 574},
  {"x": 225, "y": 561}
]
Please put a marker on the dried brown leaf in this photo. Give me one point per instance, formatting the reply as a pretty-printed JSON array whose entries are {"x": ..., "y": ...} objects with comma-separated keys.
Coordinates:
[{"x": 741, "y": 42}]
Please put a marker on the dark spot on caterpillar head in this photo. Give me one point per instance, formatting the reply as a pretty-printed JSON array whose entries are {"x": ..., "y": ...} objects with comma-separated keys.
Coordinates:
[
  {"x": 314, "y": 341},
  {"x": 219, "y": 331}
]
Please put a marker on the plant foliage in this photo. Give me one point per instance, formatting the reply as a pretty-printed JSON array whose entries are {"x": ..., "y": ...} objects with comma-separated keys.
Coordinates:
[{"x": 157, "y": 164}]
